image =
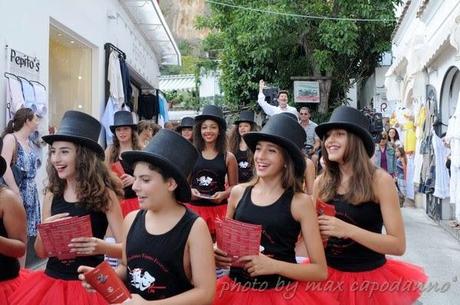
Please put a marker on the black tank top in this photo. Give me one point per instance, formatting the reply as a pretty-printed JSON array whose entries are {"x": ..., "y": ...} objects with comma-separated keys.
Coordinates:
[
  {"x": 156, "y": 262},
  {"x": 128, "y": 191},
  {"x": 208, "y": 177},
  {"x": 9, "y": 266},
  {"x": 67, "y": 269},
  {"x": 346, "y": 254},
  {"x": 279, "y": 235},
  {"x": 244, "y": 166}
]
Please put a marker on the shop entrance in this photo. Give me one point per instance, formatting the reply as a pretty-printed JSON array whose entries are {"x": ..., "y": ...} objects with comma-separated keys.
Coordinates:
[
  {"x": 70, "y": 71},
  {"x": 449, "y": 95}
]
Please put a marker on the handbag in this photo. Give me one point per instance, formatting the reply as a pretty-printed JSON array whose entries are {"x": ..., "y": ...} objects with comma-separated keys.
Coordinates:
[{"x": 18, "y": 172}]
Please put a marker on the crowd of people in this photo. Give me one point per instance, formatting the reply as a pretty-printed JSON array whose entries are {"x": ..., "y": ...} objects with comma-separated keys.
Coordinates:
[{"x": 154, "y": 196}]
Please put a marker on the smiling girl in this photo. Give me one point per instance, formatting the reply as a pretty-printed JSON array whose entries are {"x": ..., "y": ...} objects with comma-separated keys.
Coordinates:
[
  {"x": 365, "y": 201},
  {"x": 209, "y": 193},
  {"x": 79, "y": 184}
]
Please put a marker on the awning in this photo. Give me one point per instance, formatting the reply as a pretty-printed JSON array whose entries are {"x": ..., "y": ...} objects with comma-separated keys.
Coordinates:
[
  {"x": 147, "y": 16},
  {"x": 185, "y": 82}
]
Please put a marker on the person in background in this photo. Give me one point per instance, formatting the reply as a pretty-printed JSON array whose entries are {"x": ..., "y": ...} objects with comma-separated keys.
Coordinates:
[
  {"x": 238, "y": 147},
  {"x": 384, "y": 156},
  {"x": 393, "y": 137},
  {"x": 214, "y": 163},
  {"x": 186, "y": 128},
  {"x": 13, "y": 238},
  {"x": 282, "y": 102},
  {"x": 312, "y": 142},
  {"x": 17, "y": 150},
  {"x": 125, "y": 139},
  {"x": 146, "y": 129}
]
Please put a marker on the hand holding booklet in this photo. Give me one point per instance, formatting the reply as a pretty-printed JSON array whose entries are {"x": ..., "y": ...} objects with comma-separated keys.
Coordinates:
[
  {"x": 57, "y": 235},
  {"x": 238, "y": 239},
  {"x": 105, "y": 280}
]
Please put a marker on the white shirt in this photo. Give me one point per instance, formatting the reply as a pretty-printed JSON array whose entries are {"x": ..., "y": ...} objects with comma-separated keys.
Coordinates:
[{"x": 272, "y": 110}]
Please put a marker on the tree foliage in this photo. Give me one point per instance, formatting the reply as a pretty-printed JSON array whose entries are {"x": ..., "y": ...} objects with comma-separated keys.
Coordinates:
[{"x": 256, "y": 45}]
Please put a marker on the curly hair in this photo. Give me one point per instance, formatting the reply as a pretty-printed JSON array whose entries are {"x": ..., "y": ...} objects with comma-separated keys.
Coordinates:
[
  {"x": 198, "y": 141},
  {"x": 115, "y": 148},
  {"x": 94, "y": 180}
]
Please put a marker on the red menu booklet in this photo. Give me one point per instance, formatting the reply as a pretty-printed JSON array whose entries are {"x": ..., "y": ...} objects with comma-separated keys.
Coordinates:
[
  {"x": 104, "y": 279},
  {"x": 117, "y": 168},
  {"x": 323, "y": 208},
  {"x": 57, "y": 235},
  {"x": 238, "y": 239}
]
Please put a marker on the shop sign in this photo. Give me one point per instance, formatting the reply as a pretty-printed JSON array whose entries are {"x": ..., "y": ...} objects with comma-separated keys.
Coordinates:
[
  {"x": 306, "y": 92},
  {"x": 23, "y": 65}
]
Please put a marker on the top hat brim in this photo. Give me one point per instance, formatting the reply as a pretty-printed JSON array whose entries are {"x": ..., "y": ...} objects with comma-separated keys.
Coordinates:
[
  {"x": 203, "y": 117},
  {"x": 363, "y": 134},
  {"x": 2, "y": 166},
  {"x": 113, "y": 127},
  {"x": 243, "y": 121},
  {"x": 94, "y": 146},
  {"x": 251, "y": 139},
  {"x": 183, "y": 193},
  {"x": 180, "y": 127}
]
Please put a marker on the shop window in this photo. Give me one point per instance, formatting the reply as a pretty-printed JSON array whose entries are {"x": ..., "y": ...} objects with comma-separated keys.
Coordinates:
[{"x": 69, "y": 75}]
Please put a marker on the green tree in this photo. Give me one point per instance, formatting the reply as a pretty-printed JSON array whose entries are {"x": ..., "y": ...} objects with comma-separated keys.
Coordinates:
[{"x": 257, "y": 45}]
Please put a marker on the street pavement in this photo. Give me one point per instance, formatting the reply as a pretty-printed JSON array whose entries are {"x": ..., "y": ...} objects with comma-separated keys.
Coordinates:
[{"x": 438, "y": 252}]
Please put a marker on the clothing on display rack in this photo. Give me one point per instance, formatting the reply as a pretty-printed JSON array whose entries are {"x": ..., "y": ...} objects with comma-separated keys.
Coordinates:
[
  {"x": 453, "y": 138},
  {"x": 127, "y": 90},
  {"x": 148, "y": 106},
  {"x": 441, "y": 185}
]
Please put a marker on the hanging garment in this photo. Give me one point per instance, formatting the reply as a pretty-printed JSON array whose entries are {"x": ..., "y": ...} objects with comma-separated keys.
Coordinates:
[
  {"x": 163, "y": 113},
  {"x": 409, "y": 137},
  {"x": 127, "y": 90},
  {"x": 453, "y": 138},
  {"x": 441, "y": 186},
  {"x": 148, "y": 106},
  {"x": 115, "y": 79},
  {"x": 41, "y": 98},
  {"x": 15, "y": 96},
  {"x": 28, "y": 92},
  {"x": 107, "y": 119},
  {"x": 410, "y": 192}
]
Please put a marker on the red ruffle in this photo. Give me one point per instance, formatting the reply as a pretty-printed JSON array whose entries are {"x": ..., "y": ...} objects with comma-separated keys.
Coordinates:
[
  {"x": 129, "y": 205},
  {"x": 209, "y": 214},
  {"x": 40, "y": 289},
  {"x": 8, "y": 287},
  {"x": 395, "y": 283}
]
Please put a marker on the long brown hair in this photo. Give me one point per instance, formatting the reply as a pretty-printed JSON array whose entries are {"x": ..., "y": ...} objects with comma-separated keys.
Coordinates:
[
  {"x": 17, "y": 122},
  {"x": 289, "y": 180},
  {"x": 115, "y": 148},
  {"x": 360, "y": 184},
  {"x": 198, "y": 141},
  {"x": 234, "y": 138},
  {"x": 94, "y": 180}
]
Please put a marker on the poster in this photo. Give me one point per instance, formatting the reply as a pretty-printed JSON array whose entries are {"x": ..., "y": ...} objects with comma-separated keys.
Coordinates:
[{"x": 306, "y": 92}]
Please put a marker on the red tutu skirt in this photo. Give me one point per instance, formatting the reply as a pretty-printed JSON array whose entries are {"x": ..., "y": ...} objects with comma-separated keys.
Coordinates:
[
  {"x": 40, "y": 289},
  {"x": 209, "y": 214},
  {"x": 129, "y": 205},
  {"x": 296, "y": 293},
  {"x": 394, "y": 283},
  {"x": 8, "y": 287}
]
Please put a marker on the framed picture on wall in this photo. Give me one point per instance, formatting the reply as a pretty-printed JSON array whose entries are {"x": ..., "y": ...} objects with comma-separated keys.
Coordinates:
[{"x": 306, "y": 92}]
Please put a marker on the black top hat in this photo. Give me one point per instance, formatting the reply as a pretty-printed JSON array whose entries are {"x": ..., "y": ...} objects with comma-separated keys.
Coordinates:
[
  {"x": 173, "y": 154},
  {"x": 245, "y": 116},
  {"x": 290, "y": 115},
  {"x": 122, "y": 118},
  {"x": 352, "y": 120},
  {"x": 285, "y": 132},
  {"x": 80, "y": 128},
  {"x": 212, "y": 112},
  {"x": 186, "y": 122}
]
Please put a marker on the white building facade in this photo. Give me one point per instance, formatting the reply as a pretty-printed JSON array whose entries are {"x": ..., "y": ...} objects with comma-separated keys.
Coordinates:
[{"x": 424, "y": 84}]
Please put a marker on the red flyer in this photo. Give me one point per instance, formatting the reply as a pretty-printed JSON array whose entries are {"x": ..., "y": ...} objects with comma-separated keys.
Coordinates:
[
  {"x": 238, "y": 239},
  {"x": 323, "y": 208},
  {"x": 57, "y": 235},
  {"x": 117, "y": 168},
  {"x": 104, "y": 279}
]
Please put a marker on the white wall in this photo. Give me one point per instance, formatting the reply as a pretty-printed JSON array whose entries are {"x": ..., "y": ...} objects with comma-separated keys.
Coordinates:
[{"x": 24, "y": 26}]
